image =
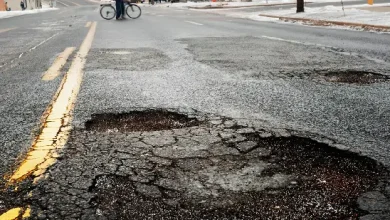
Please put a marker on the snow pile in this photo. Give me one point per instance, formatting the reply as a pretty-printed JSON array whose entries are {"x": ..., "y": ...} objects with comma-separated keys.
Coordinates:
[
  {"x": 355, "y": 14},
  {"x": 234, "y": 4},
  {"x": 8, "y": 14},
  {"x": 246, "y": 15}
]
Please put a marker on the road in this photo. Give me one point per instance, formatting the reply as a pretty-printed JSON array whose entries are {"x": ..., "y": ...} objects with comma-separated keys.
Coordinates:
[{"x": 184, "y": 114}]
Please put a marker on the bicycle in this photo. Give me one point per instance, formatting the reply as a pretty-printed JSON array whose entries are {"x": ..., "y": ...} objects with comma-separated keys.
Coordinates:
[{"x": 108, "y": 12}]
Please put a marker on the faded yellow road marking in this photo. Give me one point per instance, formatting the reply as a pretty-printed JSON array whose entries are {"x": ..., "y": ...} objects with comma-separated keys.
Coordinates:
[
  {"x": 11, "y": 214},
  {"x": 88, "y": 24},
  {"x": 27, "y": 213},
  {"x": 56, "y": 126},
  {"x": 5, "y": 30},
  {"x": 14, "y": 213},
  {"x": 60, "y": 61}
]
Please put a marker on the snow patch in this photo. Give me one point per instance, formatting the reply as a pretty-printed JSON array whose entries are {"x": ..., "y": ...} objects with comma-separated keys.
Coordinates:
[
  {"x": 355, "y": 14},
  {"x": 8, "y": 14}
]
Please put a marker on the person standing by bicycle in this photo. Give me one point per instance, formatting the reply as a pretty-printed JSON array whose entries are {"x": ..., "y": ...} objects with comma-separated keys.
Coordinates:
[{"x": 120, "y": 9}]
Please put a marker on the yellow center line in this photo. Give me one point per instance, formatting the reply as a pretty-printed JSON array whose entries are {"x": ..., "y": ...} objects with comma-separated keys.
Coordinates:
[
  {"x": 11, "y": 214},
  {"x": 27, "y": 213},
  {"x": 55, "y": 129},
  {"x": 56, "y": 67},
  {"x": 56, "y": 126},
  {"x": 88, "y": 24},
  {"x": 5, "y": 30},
  {"x": 15, "y": 213}
]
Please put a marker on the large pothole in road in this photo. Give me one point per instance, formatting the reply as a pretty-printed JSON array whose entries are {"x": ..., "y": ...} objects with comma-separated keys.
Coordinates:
[
  {"x": 148, "y": 120},
  {"x": 234, "y": 172},
  {"x": 354, "y": 77},
  {"x": 209, "y": 168}
]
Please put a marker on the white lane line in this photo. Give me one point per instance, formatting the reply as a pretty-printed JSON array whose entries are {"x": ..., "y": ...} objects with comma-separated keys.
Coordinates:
[
  {"x": 191, "y": 22},
  {"x": 63, "y": 4},
  {"x": 35, "y": 47},
  {"x": 329, "y": 48},
  {"x": 74, "y": 3}
]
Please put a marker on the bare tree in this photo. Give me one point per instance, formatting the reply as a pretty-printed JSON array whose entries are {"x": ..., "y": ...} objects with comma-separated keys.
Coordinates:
[{"x": 300, "y": 6}]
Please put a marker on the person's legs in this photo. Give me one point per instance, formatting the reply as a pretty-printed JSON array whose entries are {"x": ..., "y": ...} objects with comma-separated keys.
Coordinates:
[
  {"x": 123, "y": 9},
  {"x": 118, "y": 5}
]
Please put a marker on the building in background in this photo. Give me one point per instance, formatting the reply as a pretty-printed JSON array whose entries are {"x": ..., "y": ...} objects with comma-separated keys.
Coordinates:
[
  {"x": 2, "y": 5},
  {"x": 14, "y": 5}
]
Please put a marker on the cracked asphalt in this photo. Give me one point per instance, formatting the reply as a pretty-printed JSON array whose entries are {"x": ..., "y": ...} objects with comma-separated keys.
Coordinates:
[{"x": 184, "y": 114}]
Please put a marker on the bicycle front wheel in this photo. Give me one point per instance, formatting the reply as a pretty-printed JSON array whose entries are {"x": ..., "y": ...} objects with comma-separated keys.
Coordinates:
[
  {"x": 133, "y": 11},
  {"x": 107, "y": 12}
]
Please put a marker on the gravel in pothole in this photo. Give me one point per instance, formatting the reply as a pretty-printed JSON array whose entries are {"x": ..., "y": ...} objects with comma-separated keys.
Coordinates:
[
  {"x": 255, "y": 177},
  {"x": 355, "y": 77},
  {"x": 150, "y": 120}
]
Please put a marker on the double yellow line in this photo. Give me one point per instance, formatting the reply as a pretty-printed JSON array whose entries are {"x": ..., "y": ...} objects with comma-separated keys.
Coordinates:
[{"x": 57, "y": 120}]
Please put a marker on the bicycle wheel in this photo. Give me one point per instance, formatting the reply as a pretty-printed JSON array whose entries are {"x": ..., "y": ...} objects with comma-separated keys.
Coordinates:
[
  {"x": 133, "y": 11},
  {"x": 107, "y": 12}
]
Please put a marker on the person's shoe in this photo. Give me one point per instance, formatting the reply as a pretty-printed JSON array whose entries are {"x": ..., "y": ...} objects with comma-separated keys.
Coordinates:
[
  {"x": 123, "y": 17},
  {"x": 118, "y": 18}
]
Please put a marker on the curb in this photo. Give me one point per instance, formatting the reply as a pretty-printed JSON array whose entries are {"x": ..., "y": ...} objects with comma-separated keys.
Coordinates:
[
  {"x": 244, "y": 6},
  {"x": 328, "y": 23}
]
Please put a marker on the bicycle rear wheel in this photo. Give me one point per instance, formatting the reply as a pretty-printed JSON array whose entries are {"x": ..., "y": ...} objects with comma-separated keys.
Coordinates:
[
  {"x": 133, "y": 11},
  {"x": 107, "y": 12}
]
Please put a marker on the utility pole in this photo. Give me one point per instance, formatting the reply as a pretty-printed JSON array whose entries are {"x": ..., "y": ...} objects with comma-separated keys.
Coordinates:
[{"x": 300, "y": 6}]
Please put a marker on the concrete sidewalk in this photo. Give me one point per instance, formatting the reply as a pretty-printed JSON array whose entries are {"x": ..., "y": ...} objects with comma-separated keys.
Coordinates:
[
  {"x": 377, "y": 8},
  {"x": 226, "y": 6},
  {"x": 359, "y": 16},
  {"x": 317, "y": 22}
]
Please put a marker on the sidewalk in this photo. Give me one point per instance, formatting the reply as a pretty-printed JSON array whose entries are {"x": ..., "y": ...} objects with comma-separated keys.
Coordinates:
[
  {"x": 8, "y": 14},
  {"x": 376, "y": 17},
  {"x": 227, "y": 5}
]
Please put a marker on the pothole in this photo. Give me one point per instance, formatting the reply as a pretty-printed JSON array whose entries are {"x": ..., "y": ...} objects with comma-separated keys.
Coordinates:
[
  {"x": 207, "y": 167},
  {"x": 355, "y": 77},
  {"x": 134, "y": 59},
  {"x": 148, "y": 120},
  {"x": 240, "y": 175}
]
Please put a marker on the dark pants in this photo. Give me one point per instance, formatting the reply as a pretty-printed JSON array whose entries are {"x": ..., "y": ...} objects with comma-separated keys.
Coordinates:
[
  {"x": 123, "y": 9},
  {"x": 120, "y": 8}
]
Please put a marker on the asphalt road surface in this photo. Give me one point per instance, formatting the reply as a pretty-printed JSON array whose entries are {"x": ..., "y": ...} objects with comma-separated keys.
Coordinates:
[{"x": 184, "y": 114}]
